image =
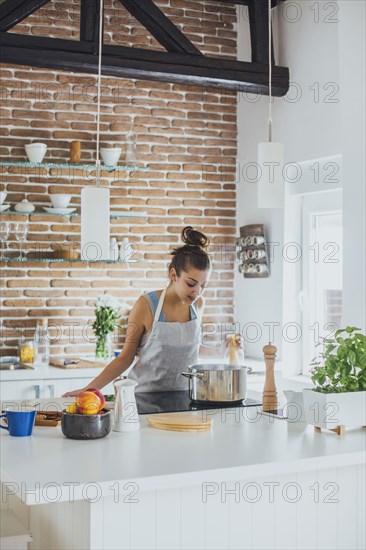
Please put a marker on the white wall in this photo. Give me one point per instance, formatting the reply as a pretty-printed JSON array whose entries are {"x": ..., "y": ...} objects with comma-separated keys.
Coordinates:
[
  {"x": 352, "y": 81},
  {"x": 318, "y": 52}
]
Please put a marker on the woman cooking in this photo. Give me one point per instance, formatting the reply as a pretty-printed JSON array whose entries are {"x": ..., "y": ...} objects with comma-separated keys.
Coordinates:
[{"x": 164, "y": 326}]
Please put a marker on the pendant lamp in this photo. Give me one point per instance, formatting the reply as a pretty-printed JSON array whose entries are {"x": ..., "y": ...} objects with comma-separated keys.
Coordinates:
[
  {"x": 95, "y": 200},
  {"x": 270, "y": 154}
]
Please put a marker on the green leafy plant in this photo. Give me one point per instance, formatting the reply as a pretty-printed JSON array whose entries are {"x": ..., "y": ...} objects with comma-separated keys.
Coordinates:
[
  {"x": 343, "y": 364},
  {"x": 107, "y": 313}
]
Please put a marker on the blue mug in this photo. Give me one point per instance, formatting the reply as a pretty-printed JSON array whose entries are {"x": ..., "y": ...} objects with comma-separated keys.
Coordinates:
[{"x": 19, "y": 423}]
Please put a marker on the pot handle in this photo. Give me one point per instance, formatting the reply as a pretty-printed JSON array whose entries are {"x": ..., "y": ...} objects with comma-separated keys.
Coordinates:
[{"x": 190, "y": 375}]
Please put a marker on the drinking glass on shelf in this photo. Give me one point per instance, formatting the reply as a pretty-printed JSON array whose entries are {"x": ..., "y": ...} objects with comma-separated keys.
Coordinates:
[
  {"x": 20, "y": 231},
  {"x": 4, "y": 234}
]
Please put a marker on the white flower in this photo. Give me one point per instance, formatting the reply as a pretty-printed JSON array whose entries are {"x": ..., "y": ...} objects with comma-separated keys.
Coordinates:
[{"x": 107, "y": 301}]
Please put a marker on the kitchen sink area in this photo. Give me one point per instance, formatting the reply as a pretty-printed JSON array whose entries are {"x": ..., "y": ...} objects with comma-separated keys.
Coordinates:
[{"x": 12, "y": 363}]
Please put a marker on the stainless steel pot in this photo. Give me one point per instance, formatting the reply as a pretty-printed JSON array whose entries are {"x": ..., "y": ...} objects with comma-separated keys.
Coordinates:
[{"x": 217, "y": 382}]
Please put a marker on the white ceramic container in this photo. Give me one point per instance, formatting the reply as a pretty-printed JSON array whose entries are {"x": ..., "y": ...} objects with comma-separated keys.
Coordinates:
[
  {"x": 2, "y": 196},
  {"x": 36, "y": 151},
  {"x": 24, "y": 206},
  {"x": 110, "y": 156}
]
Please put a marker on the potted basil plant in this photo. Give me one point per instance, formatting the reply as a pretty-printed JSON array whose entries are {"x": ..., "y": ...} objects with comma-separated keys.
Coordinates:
[{"x": 339, "y": 395}]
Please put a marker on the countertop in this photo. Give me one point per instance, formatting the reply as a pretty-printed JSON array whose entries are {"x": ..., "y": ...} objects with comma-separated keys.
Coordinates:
[
  {"x": 243, "y": 444},
  {"x": 51, "y": 372},
  {"x": 48, "y": 373}
]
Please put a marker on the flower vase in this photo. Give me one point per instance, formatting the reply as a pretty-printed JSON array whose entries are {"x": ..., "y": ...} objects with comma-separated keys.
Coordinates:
[{"x": 104, "y": 346}]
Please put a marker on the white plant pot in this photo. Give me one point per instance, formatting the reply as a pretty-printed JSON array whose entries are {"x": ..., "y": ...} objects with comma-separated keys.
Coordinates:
[
  {"x": 110, "y": 156},
  {"x": 329, "y": 410},
  {"x": 35, "y": 151}
]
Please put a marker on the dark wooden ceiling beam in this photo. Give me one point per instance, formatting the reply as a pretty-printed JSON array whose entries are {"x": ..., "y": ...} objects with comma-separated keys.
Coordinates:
[
  {"x": 160, "y": 26},
  {"x": 258, "y": 22},
  {"x": 136, "y": 63},
  {"x": 247, "y": 2},
  {"x": 13, "y": 12},
  {"x": 89, "y": 20}
]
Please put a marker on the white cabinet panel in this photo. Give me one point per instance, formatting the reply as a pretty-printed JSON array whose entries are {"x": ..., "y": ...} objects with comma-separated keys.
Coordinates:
[
  {"x": 43, "y": 388},
  {"x": 19, "y": 390}
]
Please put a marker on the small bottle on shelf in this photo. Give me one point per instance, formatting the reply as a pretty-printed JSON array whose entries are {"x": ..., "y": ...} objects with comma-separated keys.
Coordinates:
[
  {"x": 42, "y": 343},
  {"x": 113, "y": 249},
  {"x": 130, "y": 147},
  {"x": 125, "y": 250}
]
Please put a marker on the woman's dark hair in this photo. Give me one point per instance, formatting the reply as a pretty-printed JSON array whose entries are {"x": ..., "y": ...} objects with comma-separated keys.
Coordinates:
[{"x": 192, "y": 253}]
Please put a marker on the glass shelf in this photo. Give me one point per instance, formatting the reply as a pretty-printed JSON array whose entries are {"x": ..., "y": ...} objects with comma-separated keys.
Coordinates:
[
  {"x": 103, "y": 167},
  {"x": 113, "y": 215},
  {"x": 63, "y": 260}
]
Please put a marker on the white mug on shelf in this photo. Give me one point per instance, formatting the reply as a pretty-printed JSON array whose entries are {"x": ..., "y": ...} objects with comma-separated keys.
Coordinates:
[{"x": 60, "y": 200}]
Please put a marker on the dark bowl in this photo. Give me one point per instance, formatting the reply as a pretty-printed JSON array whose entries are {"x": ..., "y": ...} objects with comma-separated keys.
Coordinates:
[{"x": 86, "y": 426}]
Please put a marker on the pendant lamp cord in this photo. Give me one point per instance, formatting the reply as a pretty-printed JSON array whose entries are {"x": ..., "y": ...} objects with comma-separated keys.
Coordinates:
[
  {"x": 270, "y": 70},
  {"x": 101, "y": 8}
]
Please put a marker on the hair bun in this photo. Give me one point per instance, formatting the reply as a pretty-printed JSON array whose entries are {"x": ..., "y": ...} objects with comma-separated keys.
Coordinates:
[{"x": 191, "y": 237}]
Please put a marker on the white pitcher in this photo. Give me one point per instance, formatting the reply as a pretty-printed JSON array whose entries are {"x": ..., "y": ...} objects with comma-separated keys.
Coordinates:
[{"x": 125, "y": 408}]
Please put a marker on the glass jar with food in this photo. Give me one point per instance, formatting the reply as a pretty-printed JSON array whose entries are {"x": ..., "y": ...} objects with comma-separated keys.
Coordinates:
[{"x": 26, "y": 352}]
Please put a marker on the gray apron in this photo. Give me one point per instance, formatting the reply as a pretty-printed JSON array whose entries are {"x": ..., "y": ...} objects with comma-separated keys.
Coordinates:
[{"x": 165, "y": 352}]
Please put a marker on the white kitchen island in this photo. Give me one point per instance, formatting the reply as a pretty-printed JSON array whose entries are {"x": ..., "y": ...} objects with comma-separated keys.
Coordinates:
[{"x": 251, "y": 482}]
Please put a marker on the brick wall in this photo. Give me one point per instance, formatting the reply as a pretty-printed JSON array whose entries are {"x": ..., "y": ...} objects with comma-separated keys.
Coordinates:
[{"x": 187, "y": 137}]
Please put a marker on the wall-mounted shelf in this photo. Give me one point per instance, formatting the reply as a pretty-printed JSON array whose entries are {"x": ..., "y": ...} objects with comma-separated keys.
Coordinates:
[
  {"x": 61, "y": 260},
  {"x": 252, "y": 252},
  {"x": 103, "y": 167},
  {"x": 113, "y": 215}
]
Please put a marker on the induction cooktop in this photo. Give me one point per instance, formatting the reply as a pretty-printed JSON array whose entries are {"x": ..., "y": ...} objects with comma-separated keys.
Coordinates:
[{"x": 179, "y": 401}]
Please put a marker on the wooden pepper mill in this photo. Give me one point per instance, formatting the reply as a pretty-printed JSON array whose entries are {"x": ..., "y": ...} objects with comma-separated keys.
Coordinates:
[{"x": 269, "y": 398}]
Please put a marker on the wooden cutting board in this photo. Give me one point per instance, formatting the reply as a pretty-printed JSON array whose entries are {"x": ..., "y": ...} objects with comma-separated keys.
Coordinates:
[
  {"x": 179, "y": 422},
  {"x": 82, "y": 364},
  {"x": 48, "y": 418}
]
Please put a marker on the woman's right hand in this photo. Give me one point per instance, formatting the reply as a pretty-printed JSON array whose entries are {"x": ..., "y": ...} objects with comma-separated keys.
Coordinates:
[{"x": 73, "y": 393}]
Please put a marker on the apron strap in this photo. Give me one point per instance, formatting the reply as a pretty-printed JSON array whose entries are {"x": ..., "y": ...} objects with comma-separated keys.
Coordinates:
[
  {"x": 160, "y": 306},
  {"x": 195, "y": 311}
]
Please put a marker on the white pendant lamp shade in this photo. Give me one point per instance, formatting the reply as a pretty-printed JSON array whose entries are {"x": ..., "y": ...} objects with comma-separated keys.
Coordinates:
[
  {"x": 95, "y": 224},
  {"x": 270, "y": 175},
  {"x": 95, "y": 207},
  {"x": 270, "y": 155}
]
